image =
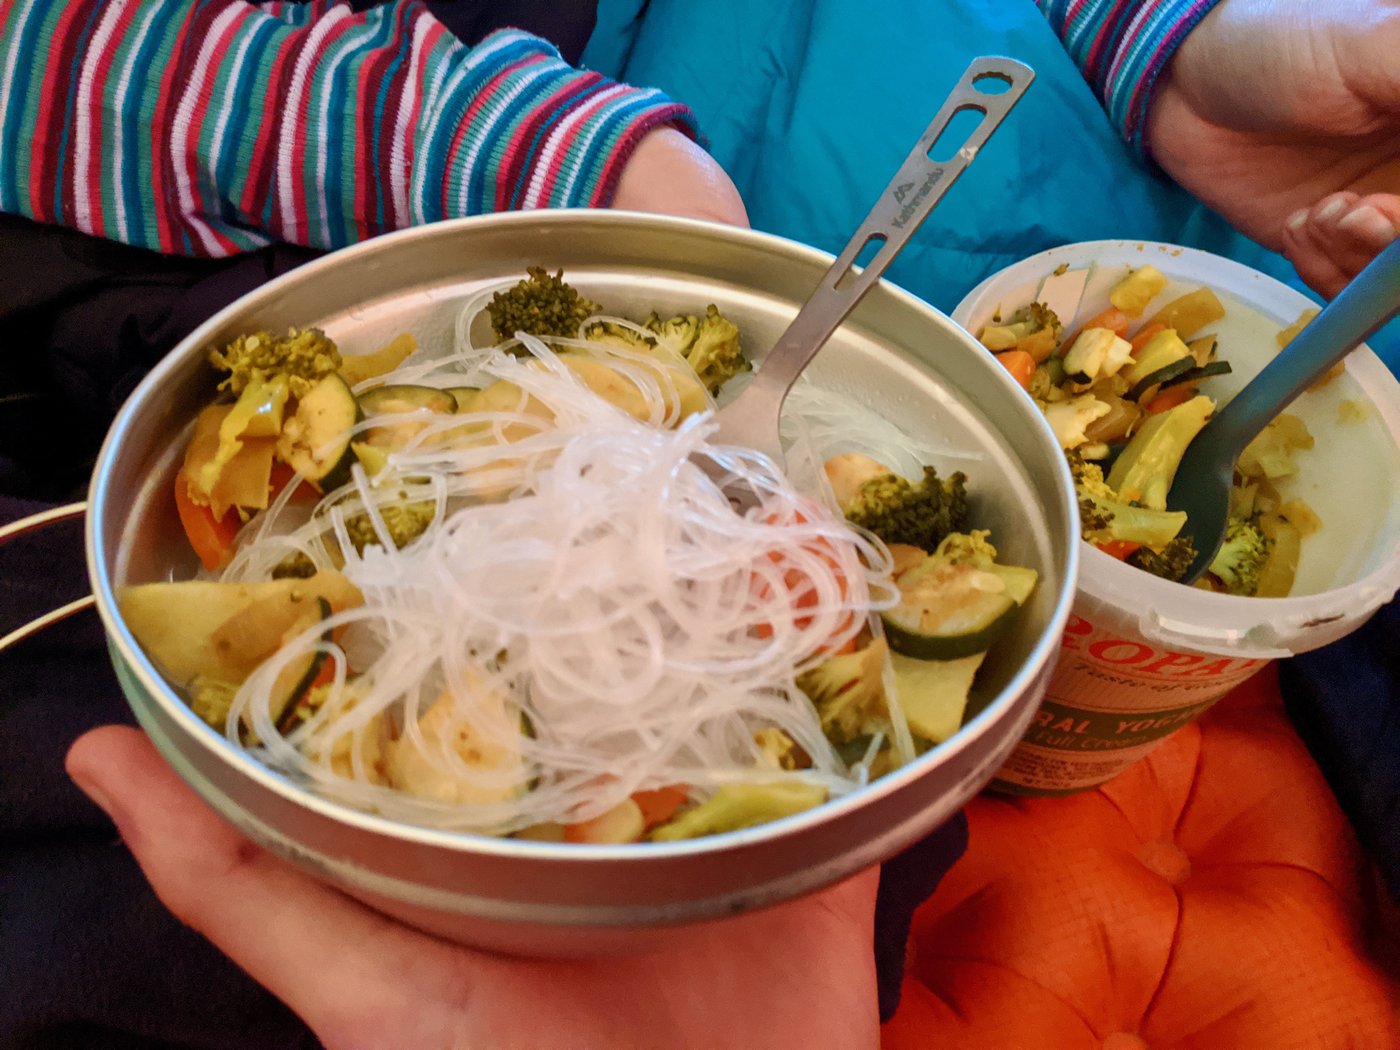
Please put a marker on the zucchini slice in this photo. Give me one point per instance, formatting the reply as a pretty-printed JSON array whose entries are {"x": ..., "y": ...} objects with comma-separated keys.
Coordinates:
[
  {"x": 1195, "y": 375},
  {"x": 296, "y": 679},
  {"x": 399, "y": 398},
  {"x": 1161, "y": 350},
  {"x": 405, "y": 397},
  {"x": 316, "y": 439},
  {"x": 948, "y": 611},
  {"x": 462, "y": 395},
  {"x": 1162, "y": 377}
]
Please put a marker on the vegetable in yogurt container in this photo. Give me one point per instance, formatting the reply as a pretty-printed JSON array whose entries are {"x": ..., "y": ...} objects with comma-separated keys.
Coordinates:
[{"x": 1125, "y": 394}]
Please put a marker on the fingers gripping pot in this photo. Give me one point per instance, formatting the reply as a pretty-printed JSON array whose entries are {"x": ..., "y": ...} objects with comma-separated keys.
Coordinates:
[
  {"x": 1140, "y": 656},
  {"x": 895, "y": 355}
]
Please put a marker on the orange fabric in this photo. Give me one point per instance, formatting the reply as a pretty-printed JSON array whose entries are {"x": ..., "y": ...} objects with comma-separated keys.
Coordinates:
[{"x": 1207, "y": 899}]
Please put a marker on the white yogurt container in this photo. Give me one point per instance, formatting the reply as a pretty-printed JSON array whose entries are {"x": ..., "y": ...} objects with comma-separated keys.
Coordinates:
[{"x": 1141, "y": 657}]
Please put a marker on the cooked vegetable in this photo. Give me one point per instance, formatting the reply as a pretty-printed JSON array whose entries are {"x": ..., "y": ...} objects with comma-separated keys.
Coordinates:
[
  {"x": 222, "y": 631},
  {"x": 848, "y": 691},
  {"x": 1144, "y": 471},
  {"x": 358, "y": 368},
  {"x": 1281, "y": 566},
  {"x": 1190, "y": 313},
  {"x": 1270, "y": 454},
  {"x": 1162, "y": 350},
  {"x": 1033, "y": 330},
  {"x": 316, "y": 439},
  {"x": 1106, "y": 517},
  {"x": 399, "y": 399},
  {"x": 541, "y": 304},
  {"x": 302, "y": 357},
  {"x": 488, "y": 741},
  {"x": 933, "y": 693},
  {"x": 224, "y": 473},
  {"x": 1097, "y": 352},
  {"x": 1138, "y": 289},
  {"x": 957, "y": 602},
  {"x": 625, "y": 822},
  {"x": 736, "y": 806},
  {"x": 709, "y": 344},
  {"x": 897, "y": 510},
  {"x": 1020, "y": 364},
  {"x": 1241, "y": 557},
  {"x": 1071, "y": 419},
  {"x": 212, "y": 537},
  {"x": 1170, "y": 561}
]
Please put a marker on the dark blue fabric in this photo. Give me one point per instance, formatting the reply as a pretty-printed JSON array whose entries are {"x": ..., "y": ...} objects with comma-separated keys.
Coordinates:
[
  {"x": 1345, "y": 701},
  {"x": 89, "y": 958}
]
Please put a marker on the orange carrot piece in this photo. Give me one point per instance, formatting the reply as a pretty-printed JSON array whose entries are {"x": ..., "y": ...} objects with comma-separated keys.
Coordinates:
[
  {"x": 1020, "y": 364},
  {"x": 1170, "y": 398},
  {"x": 660, "y": 805},
  {"x": 1119, "y": 549},
  {"x": 1145, "y": 334}
]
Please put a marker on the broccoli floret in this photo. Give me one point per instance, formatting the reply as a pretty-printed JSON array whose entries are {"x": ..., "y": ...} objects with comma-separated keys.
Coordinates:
[
  {"x": 849, "y": 692},
  {"x": 611, "y": 334},
  {"x": 303, "y": 356},
  {"x": 735, "y": 806},
  {"x": 1170, "y": 562},
  {"x": 967, "y": 548},
  {"x": 211, "y": 699},
  {"x": 1241, "y": 556},
  {"x": 296, "y": 565},
  {"x": 779, "y": 750},
  {"x": 1104, "y": 516},
  {"x": 541, "y": 304},
  {"x": 896, "y": 509},
  {"x": 405, "y": 522},
  {"x": 709, "y": 344}
]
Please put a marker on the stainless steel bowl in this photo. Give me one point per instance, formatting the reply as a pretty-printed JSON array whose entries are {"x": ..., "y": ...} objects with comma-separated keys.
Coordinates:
[{"x": 895, "y": 354}]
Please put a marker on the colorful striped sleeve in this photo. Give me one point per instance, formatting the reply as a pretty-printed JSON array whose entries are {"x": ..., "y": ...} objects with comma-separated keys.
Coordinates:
[
  {"x": 1122, "y": 46},
  {"x": 211, "y": 127}
]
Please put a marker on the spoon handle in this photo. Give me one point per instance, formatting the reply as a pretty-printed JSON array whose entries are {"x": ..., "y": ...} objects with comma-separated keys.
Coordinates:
[
  {"x": 916, "y": 187},
  {"x": 1369, "y": 301}
]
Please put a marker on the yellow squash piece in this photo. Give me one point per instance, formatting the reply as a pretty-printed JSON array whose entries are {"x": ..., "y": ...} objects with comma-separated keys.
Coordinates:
[{"x": 222, "y": 631}]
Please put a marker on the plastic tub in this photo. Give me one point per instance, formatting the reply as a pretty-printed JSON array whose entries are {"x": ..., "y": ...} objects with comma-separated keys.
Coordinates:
[{"x": 1140, "y": 656}]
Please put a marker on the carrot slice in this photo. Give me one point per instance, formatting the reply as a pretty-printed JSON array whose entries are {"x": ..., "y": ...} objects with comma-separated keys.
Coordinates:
[
  {"x": 1119, "y": 549},
  {"x": 1170, "y": 398},
  {"x": 660, "y": 805},
  {"x": 1145, "y": 334},
  {"x": 1020, "y": 364},
  {"x": 212, "y": 538}
]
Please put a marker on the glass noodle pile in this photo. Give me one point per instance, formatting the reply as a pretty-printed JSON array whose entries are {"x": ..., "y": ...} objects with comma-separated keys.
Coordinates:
[{"x": 585, "y": 619}]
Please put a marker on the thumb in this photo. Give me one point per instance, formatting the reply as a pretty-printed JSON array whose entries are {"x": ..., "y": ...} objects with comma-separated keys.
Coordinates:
[{"x": 331, "y": 960}]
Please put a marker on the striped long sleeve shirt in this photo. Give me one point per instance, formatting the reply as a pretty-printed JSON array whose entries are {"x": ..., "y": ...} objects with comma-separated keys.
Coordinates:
[
  {"x": 1122, "y": 46},
  {"x": 210, "y": 127}
]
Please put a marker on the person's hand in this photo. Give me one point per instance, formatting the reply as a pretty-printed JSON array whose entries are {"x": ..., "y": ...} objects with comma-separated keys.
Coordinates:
[
  {"x": 1284, "y": 115},
  {"x": 797, "y": 975},
  {"x": 669, "y": 173}
]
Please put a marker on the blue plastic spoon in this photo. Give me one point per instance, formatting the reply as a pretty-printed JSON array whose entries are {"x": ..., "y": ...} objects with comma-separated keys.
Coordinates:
[{"x": 1202, "y": 484}]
